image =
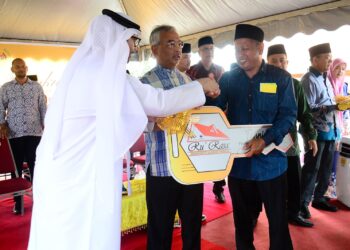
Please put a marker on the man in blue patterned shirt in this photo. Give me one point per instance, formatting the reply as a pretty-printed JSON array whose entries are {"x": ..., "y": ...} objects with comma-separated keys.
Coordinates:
[
  {"x": 22, "y": 112},
  {"x": 164, "y": 195}
]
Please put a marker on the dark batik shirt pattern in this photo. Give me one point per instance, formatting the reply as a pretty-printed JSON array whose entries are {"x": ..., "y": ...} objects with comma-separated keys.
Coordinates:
[{"x": 23, "y": 108}]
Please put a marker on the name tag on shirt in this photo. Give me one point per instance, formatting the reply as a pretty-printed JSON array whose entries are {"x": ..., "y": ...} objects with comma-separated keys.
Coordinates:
[{"x": 268, "y": 87}]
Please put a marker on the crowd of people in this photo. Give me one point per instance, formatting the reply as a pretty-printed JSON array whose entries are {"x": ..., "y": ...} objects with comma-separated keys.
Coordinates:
[{"x": 98, "y": 112}]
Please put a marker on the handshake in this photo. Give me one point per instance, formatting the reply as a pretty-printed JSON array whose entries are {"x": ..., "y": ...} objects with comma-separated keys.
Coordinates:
[{"x": 210, "y": 86}]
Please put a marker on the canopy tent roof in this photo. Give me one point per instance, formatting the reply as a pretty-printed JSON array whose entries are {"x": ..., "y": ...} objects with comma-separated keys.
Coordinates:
[{"x": 66, "y": 21}]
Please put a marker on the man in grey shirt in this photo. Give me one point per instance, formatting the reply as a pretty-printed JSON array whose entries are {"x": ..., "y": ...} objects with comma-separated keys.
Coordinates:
[
  {"x": 320, "y": 97},
  {"x": 22, "y": 112}
]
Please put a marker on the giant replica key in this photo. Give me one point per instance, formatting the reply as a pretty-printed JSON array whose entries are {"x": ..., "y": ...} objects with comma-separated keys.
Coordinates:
[{"x": 204, "y": 145}]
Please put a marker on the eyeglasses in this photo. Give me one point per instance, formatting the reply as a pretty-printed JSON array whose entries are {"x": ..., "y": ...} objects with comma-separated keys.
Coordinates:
[
  {"x": 136, "y": 41},
  {"x": 172, "y": 44}
]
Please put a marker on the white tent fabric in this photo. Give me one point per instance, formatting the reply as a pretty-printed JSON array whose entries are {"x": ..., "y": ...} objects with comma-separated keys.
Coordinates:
[
  {"x": 63, "y": 21},
  {"x": 289, "y": 26},
  {"x": 66, "y": 21}
]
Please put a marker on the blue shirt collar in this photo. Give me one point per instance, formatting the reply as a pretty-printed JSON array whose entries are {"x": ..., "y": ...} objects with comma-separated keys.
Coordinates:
[{"x": 315, "y": 71}]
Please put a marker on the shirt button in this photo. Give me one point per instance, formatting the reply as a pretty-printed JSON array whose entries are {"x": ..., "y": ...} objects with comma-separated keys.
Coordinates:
[{"x": 250, "y": 110}]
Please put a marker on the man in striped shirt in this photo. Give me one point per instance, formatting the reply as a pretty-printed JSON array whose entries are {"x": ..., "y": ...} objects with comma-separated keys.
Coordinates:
[{"x": 164, "y": 195}]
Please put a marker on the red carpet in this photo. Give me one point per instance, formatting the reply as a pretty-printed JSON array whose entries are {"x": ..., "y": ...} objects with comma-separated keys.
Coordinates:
[
  {"x": 14, "y": 229},
  {"x": 211, "y": 208},
  {"x": 331, "y": 230}
]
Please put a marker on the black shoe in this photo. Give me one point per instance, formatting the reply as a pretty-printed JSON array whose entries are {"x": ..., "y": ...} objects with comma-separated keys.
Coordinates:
[
  {"x": 300, "y": 221},
  {"x": 324, "y": 205},
  {"x": 327, "y": 198},
  {"x": 220, "y": 197},
  {"x": 304, "y": 212}
]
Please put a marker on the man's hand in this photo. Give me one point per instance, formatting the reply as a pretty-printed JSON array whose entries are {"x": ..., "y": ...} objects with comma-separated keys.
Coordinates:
[
  {"x": 210, "y": 87},
  {"x": 313, "y": 147},
  {"x": 4, "y": 131},
  {"x": 215, "y": 93},
  {"x": 254, "y": 147}
]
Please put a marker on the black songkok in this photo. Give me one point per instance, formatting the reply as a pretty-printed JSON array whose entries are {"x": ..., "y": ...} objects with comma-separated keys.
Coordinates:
[
  {"x": 121, "y": 20},
  {"x": 205, "y": 40},
  {"x": 249, "y": 31},
  {"x": 276, "y": 49},
  {"x": 319, "y": 49},
  {"x": 186, "y": 48}
]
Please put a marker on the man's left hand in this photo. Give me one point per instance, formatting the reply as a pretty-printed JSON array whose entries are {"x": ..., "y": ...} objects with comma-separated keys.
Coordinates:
[{"x": 254, "y": 147}]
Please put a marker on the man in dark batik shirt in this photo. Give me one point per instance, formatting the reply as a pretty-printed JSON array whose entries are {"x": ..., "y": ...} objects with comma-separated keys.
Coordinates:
[
  {"x": 204, "y": 68},
  {"x": 22, "y": 113}
]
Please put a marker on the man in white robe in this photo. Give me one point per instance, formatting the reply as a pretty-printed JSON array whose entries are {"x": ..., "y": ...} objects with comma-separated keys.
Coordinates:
[{"x": 96, "y": 114}]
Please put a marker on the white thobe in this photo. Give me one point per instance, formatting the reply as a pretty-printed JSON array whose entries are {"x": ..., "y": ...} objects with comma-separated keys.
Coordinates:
[{"x": 69, "y": 211}]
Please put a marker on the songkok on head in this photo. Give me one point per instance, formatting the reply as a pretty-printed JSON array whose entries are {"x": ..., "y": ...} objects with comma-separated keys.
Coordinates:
[
  {"x": 276, "y": 49},
  {"x": 205, "y": 40},
  {"x": 249, "y": 31},
  {"x": 319, "y": 49},
  {"x": 186, "y": 48},
  {"x": 122, "y": 19}
]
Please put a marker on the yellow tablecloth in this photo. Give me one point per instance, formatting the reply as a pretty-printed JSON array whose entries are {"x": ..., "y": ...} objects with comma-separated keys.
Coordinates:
[{"x": 134, "y": 209}]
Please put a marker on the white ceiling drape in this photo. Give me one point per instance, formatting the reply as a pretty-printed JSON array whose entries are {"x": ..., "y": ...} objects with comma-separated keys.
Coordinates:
[{"x": 65, "y": 21}]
